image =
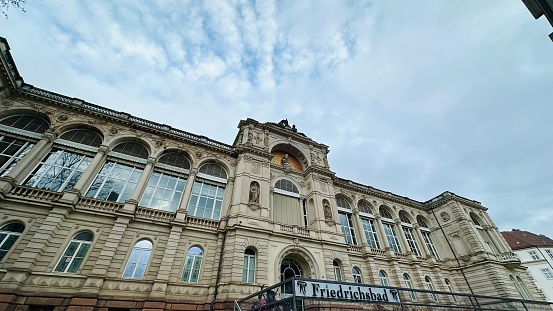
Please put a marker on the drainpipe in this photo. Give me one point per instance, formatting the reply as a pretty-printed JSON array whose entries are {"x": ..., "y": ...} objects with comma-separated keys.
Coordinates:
[
  {"x": 456, "y": 259},
  {"x": 220, "y": 265}
]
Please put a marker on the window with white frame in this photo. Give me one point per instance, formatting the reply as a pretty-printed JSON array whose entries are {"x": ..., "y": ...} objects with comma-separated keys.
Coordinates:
[
  {"x": 429, "y": 244},
  {"x": 75, "y": 252},
  {"x": 391, "y": 236},
  {"x": 547, "y": 273},
  {"x": 248, "y": 270},
  {"x": 534, "y": 255},
  {"x": 430, "y": 287},
  {"x": 208, "y": 192},
  {"x": 138, "y": 260},
  {"x": 9, "y": 233},
  {"x": 383, "y": 278},
  {"x": 370, "y": 232},
  {"x": 449, "y": 288},
  {"x": 14, "y": 149},
  {"x": 356, "y": 272},
  {"x": 337, "y": 271},
  {"x": 166, "y": 185},
  {"x": 548, "y": 252},
  {"x": 408, "y": 284},
  {"x": 192, "y": 265},
  {"x": 411, "y": 240},
  {"x": 287, "y": 208},
  {"x": 345, "y": 214},
  {"x": 120, "y": 174}
]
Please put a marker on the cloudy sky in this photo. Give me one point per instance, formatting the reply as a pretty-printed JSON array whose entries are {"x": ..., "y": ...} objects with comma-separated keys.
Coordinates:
[{"x": 412, "y": 98}]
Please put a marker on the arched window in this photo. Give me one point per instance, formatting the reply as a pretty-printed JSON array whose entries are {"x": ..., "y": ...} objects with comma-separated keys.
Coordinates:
[
  {"x": 75, "y": 252},
  {"x": 9, "y": 233},
  {"x": 208, "y": 192},
  {"x": 389, "y": 229},
  {"x": 430, "y": 287},
  {"x": 383, "y": 278},
  {"x": 475, "y": 220},
  {"x": 337, "y": 271},
  {"x": 248, "y": 270},
  {"x": 364, "y": 208},
  {"x": 166, "y": 185},
  {"x": 60, "y": 169},
  {"x": 450, "y": 289},
  {"x": 425, "y": 232},
  {"x": 409, "y": 234},
  {"x": 422, "y": 223},
  {"x": 12, "y": 149},
  {"x": 356, "y": 272},
  {"x": 192, "y": 265},
  {"x": 524, "y": 288},
  {"x": 483, "y": 234},
  {"x": 408, "y": 284},
  {"x": 288, "y": 269},
  {"x": 345, "y": 214},
  {"x": 138, "y": 260},
  {"x": 287, "y": 206},
  {"x": 116, "y": 181}
]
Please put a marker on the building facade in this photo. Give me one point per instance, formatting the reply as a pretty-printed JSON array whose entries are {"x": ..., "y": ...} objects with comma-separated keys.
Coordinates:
[
  {"x": 102, "y": 210},
  {"x": 536, "y": 253}
]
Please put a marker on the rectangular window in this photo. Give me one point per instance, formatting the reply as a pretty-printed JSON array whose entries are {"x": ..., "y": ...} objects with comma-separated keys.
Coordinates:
[
  {"x": 163, "y": 192},
  {"x": 548, "y": 251},
  {"x": 347, "y": 227},
  {"x": 411, "y": 240},
  {"x": 115, "y": 182},
  {"x": 287, "y": 210},
  {"x": 248, "y": 270},
  {"x": 547, "y": 273},
  {"x": 11, "y": 151},
  {"x": 206, "y": 200},
  {"x": 391, "y": 236},
  {"x": 534, "y": 255},
  {"x": 430, "y": 244},
  {"x": 58, "y": 171},
  {"x": 370, "y": 232}
]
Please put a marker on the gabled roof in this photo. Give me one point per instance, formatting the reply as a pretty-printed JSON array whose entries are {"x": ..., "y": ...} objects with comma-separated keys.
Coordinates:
[{"x": 519, "y": 239}]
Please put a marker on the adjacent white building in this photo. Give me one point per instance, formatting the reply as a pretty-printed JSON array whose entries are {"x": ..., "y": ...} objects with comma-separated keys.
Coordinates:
[{"x": 535, "y": 252}]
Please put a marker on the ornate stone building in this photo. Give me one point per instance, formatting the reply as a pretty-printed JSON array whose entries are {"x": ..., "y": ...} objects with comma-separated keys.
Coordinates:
[{"x": 102, "y": 210}]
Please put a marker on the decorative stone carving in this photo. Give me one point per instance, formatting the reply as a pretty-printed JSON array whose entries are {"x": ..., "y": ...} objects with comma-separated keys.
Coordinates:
[
  {"x": 444, "y": 216},
  {"x": 103, "y": 149},
  {"x": 328, "y": 212},
  {"x": 258, "y": 138},
  {"x": 285, "y": 162},
  {"x": 49, "y": 136},
  {"x": 113, "y": 131},
  {"x": 256, "y": 167},
  {"x": 63, "y": 118},
  {"x": 254, "y": 193},
  {"x": 266, "y": 139},
  {"x": 158, "y": 143},
  {"x": 308, "y": 185}
]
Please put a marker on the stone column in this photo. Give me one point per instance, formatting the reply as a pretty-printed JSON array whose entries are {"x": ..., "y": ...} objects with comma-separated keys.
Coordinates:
[
  {"x": 105, "y": 258},
  {"x": 380, "y": 229},
  {"x": 494, "y": 239},
  {"x": 162, "y": 279},
  {"x": 132, "y": 202},
  {"x": 361, "y": 240},
  {"x": 227, "y": 199},
  {"x": 183, "y": 207},
  {"x": 33, "y": 252}
]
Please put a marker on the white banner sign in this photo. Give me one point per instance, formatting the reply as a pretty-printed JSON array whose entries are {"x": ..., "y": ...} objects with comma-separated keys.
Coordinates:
[{"x": 343, "y": 291}]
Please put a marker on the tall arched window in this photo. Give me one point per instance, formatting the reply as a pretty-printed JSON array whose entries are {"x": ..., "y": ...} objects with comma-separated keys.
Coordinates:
[
  {"x": 13, "y": 148},
  {"x": 166, "y": 185},
  {"x": 75, "y": 252},
  {"x": 120, "y": 174},
  {"x": 367, "y": 221},
  {"x": 430, "y": 287},
  {"x": 407, "y": 228},
  {"x": 138, "y": 260},
  {"x": 192, "y": 265},
  {"x": 60, "y": 169},
  {"x": 483, "y": 234},
  {"x": 383, "y": 278},
  {"x": 345, "y": 214},
  {"x": 408, "y": 284},
  {"x": 337, "y": 271},
  {"x": 248, "y": 270},
  {"x": 389, "y": 229},
  {"x": 287, "y": 207},
  {"x": 356, "y": 272},
  {"x": 208, "y": 192},
  {"x": 425, "y": 232},
  {"x": 450, "y": 289},
  {"x": 9, "y": 233}
]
